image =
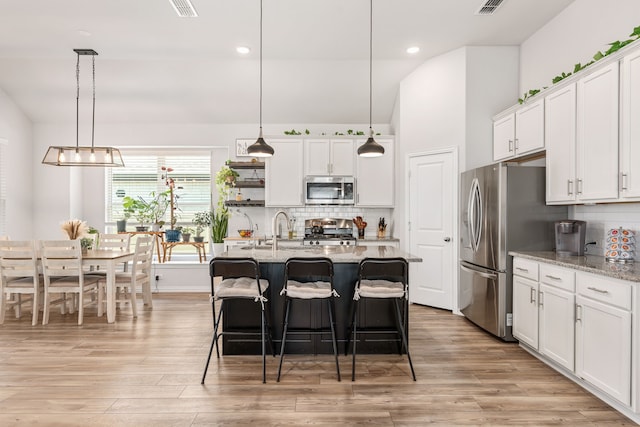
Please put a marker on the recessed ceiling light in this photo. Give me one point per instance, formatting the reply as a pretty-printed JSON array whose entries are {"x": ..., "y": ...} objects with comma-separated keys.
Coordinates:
[
  {"x": 413, "y": 49},
  {"x": 243, "y": 50}
]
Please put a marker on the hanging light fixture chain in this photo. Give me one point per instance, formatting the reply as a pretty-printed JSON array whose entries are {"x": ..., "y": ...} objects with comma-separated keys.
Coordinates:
[
  {"x": 78, "y": 102},
  {"x": 370, "y": 67},
  {"x": 93, "y": 111}
]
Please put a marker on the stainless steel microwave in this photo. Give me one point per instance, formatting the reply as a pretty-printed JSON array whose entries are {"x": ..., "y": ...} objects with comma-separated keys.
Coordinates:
[{"x": 329, "y": 190}]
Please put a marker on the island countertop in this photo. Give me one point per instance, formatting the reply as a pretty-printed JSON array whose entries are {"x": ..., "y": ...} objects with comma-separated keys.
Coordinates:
[{"x": 338, "y": 254}]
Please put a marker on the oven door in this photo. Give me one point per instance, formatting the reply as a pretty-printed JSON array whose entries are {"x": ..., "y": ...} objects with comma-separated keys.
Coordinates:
[{"x": 329, "y": 191}]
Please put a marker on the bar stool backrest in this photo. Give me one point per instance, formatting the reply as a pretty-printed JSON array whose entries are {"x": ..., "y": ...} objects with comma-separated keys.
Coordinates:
[
  {"x": 392, "y": 269},
  {"x": 309, "y": 269},
  {"x": 232, "y": 268}
]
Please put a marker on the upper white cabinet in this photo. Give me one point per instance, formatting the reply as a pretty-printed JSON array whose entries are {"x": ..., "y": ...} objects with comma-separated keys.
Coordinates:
[
  {"x": 597, "y": 135},
  {"x": 519, "y": 133},
  {"x": 329, "y": 157},
  {"x": 581, "y": 133},
  {"x": 630, "y": 128},
  {"x": 560, "y": 135},
  {"x": 284, "y": 175},
  {"x": 375, "y": 176}
]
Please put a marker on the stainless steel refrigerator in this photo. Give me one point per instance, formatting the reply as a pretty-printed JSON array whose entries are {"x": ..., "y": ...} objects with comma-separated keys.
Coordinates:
[{"x": 502, "y": 209}]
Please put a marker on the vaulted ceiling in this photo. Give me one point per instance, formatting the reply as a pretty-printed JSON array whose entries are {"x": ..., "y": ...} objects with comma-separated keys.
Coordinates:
[{"x": 154, "y": 67}]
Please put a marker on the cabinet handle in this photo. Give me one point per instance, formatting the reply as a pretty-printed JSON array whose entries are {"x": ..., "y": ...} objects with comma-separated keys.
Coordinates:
[
  {"x": 515, "y": 145},
  {"x": 510, "y": 145},
  {"x": 578, "y": 313},
  {"x": 532, "y": 296},
  {"x": 570, "y": 187},
  {"x": 600, "y": 291},
  {"x": 553, "y": 277},
  {"x": 579, "y": 186},
  {"x": 540, "y": 298},
  {"x": 524, "y": 270},
  {"x": 623, "y": 182}
]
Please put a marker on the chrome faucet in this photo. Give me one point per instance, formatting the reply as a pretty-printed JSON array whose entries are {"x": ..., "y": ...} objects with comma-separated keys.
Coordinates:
[{"x": 274, "y": 224}]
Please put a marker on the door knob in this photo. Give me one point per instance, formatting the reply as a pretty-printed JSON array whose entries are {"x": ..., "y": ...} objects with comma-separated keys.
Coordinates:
[{"x": 447, "y": 239}]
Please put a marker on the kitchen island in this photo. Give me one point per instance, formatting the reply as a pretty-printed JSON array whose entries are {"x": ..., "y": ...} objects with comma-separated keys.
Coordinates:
[{"x": 242, "y": 314}]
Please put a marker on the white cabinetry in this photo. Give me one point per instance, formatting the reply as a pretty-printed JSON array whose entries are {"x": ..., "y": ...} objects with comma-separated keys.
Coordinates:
[
  {"x": 329, "y": 157},
  {"x": 525, "y": 301},
  {"x": 556, "y": 302},
  {"x": 284, "y": 175},
  {"x": 375, "y": 177},
  {"x": 560, "y": 137},
  {"x": 603, "y": 334},
  {"x": 630, "y": 128},
  {"x": 519, "y": 133},
  {"x": 543, "y": 309},
  {"x": 597, "y": 135}
]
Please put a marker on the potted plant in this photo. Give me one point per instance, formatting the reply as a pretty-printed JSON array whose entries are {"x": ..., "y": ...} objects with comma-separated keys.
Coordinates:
[
  {"x": 128, "y": 209},
  {"x": 202, "y": 220},
  {"x": 158, "y": 208},
  {"x": 141, "y": 211},
  {"x": 225, "y": 179},
  {"x": 186, "y": 233},
  {"x": 219, "y": 227}
]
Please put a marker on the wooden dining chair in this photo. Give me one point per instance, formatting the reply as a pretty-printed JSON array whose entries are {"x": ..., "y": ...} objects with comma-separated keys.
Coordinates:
[
  {"x": 63, "y": 274},
  {"x": 19, "y": 276},
  {"x": 137, "y": 277}
]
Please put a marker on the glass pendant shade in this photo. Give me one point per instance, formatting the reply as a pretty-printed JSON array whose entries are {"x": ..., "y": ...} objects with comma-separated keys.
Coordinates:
[{"x": 83, "y": 156}]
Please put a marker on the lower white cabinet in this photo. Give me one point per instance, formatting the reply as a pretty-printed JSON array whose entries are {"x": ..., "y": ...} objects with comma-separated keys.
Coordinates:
[
  {"x": 603, "y": 335},
  {"x": 582, "y": 322}
]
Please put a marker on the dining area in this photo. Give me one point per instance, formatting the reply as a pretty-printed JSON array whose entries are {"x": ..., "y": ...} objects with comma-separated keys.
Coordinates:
[{"x": 36, "y": 275}]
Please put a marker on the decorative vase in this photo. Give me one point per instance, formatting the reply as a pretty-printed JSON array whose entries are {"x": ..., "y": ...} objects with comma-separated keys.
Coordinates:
[
  {"x": 186, "y": 237},
  {"x": 172, "y": 235},
  {"x": 155, "y": 227},
  {"x": 218, "y": 249}
]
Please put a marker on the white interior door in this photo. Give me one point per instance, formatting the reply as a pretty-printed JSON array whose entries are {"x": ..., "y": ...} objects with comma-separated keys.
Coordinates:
[{"x": 432, "y": 229}]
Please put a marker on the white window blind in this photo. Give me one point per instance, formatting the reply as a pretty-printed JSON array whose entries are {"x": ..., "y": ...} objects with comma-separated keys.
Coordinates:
[
  {"x": 143, "y": 175},
  {"x": 3, "y": 187}
]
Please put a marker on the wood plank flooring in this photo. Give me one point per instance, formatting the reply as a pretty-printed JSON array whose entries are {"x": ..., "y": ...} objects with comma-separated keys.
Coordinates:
[{"x": 146, "y": 372}]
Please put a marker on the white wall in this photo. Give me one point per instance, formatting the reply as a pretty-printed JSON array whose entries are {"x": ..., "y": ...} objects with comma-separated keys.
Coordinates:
[
  {"x": 52, "y": 200},
  {"x": 15, "y": 127},
  {"x": 574, "y": 35},
  {"x": 449, "y": 101}
]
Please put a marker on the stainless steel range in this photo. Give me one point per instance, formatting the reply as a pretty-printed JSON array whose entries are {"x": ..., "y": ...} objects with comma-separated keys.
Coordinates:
[{"x": 328, "y": 232}]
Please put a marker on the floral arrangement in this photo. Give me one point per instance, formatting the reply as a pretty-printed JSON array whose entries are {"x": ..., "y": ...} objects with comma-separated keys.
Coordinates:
[{"x": 75, "y": 229}]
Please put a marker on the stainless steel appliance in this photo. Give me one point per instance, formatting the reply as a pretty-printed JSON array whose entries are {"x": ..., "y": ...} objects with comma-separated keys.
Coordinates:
[
  {"x": 570, "y": 237},
  {"x": 502, "y": 209},
  {"x": 328, "y": 232},
  {"x": 329, "y": 190}
]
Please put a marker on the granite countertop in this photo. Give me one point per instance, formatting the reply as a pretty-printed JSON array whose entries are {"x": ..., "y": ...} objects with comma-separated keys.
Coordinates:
[
  {"x": 338, "y": 254},
  {"x": 589, "y": 263},
  {"x": 378, "y": 239}
]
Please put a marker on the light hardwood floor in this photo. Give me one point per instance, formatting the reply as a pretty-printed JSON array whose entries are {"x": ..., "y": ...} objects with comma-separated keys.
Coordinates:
[{"x": 146, "y": 372}]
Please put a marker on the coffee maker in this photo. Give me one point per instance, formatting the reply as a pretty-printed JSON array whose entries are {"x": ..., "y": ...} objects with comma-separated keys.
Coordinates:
[{"x": 570, "y": 237}]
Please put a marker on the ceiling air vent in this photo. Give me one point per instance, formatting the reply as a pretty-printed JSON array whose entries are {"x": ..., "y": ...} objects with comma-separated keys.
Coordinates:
[
  {"x": 184, "y": 8},
  {"x": 489, "y": 7}
]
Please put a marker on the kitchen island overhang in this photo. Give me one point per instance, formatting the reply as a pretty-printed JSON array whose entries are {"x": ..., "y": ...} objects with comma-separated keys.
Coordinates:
[{"x": 240, "y": 315}]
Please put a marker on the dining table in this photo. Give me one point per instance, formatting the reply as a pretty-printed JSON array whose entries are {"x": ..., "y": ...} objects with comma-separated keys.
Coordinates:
[{"x": 107, "y": 260}]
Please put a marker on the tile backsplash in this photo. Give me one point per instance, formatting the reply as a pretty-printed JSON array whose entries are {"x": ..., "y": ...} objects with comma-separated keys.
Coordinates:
[
  {"x": 601, "y": 218},
  {"x": 262, "y": 217}
]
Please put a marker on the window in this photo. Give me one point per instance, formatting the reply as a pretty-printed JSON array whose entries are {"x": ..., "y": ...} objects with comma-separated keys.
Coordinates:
[
  {"x": 3, "y": 186},
  {"x": 143, "y": 175}
]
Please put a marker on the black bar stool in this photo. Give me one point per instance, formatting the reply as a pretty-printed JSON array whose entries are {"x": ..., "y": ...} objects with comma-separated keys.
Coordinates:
[
  {"x": 309, "y": 278},
  {"x": 241, "y": 279},
  {"x": 382, "y": 278}
]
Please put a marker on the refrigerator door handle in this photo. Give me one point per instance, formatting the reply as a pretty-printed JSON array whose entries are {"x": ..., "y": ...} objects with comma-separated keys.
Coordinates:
[
  {"x": 480, "y": 273},
  {"x": 475, "y": 215}
]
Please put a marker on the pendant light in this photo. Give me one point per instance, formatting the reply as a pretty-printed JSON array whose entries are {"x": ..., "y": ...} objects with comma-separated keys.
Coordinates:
[
  {"x": 260, "y": 148},
  {"x": 370, "y": 148},
  {"x": 84, "y": 156}
]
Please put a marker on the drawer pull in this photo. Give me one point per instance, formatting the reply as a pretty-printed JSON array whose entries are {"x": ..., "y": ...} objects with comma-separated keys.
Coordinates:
[
  {"x": 532, "y": 296},
  {"x": 553, "y": 277},
  {"x": 600, "y": 291},
  {"x": 524, "y": 270}
]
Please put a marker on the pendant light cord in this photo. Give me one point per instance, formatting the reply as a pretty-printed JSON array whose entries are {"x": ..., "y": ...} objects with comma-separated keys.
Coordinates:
[
  {"x": 78, "y": 103},
  {"x": 260, "y": 68},
  {"x": 93, "y": 112},
  {"x": 370, "y": 66}
]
